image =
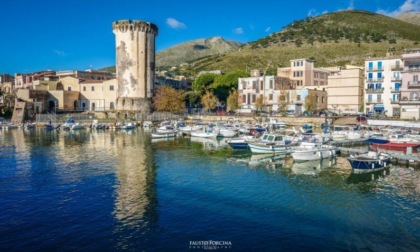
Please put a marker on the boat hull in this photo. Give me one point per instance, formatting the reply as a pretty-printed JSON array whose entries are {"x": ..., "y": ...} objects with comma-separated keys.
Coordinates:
[
  {"x": 369, "y": 165},
  {"x": 263, "y": 148},
  {"x": 302, "y": 154}
]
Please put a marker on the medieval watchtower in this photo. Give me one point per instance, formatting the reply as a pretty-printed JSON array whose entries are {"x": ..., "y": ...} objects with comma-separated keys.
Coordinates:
[{"x": 135, "y": 66}]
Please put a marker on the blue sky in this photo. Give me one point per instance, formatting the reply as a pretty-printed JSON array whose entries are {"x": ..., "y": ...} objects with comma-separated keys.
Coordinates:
[{"x": 77, "y": 34}]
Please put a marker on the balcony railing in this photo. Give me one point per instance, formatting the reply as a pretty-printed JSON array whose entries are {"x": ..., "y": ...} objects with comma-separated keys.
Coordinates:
[
  {"x": 375, "y": 68},
  {"x": 410, "y": 101},
  {"x": 413, "y": 84},
  {"x": 395, "y": 90},
  {"x": 411, "y": 69},
  {"x": 375, "y": 79},
  {"x": 396, "y": 101},
  {"x": 397, "y": 67},
  {"x": 374, "y": 90},
  {"x": 374, "y": 101},
  {"x": 396, "y": 78}
]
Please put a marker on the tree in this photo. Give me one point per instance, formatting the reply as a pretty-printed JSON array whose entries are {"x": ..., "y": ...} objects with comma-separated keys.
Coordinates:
[
  {"x": 259, "y": 103},
  {"x": 223, "y": 84},
  {"x": 282, "y": 103},
  {"x": 193, "y": 97},
  {"x": 209, "y": 100},
  {"x": 232, "y": 101},
  {"x": 169, "y": 99},
  {"x": 203, "y": 82},
  {"x": 310, "y": 102}
]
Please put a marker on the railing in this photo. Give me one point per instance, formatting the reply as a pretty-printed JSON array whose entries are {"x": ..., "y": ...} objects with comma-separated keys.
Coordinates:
[
  {"x": 396, "y": 78},
  {"x": 375, "y": 68},
  {"x": 395, "y": 101},
  {"x": 412, "y": 69},
  {"x": 413, "y": 84},
  {"x": 397, "y": 67},
  {"x": 374, "y": 90},
  {"x": 411, "y": 101},
  {"x": 395, "y": 90},
  {"x": 374, "y": 101},
  {"x": 375, "y": 79}
]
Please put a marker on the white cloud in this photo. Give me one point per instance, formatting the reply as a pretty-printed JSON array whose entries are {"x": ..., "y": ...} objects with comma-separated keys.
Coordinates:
[
  {"x": 59, "y": 53},
  {"x": 267, "y": 29},
  {"x": 173, "y": 23},
  {"x": 314, "y": 13},
  {"x": 238, "y": 30},
  {"x": 408, "y": 5}
]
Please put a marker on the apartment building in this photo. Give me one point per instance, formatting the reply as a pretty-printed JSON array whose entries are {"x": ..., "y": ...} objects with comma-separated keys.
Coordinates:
[
  {"x": 346, "y": 89},
  {"x": 86, "y": 75},
  {"x": 410, "y": 88},
  {"x": 383, "y": 86},
  {"x": 305, "y": 75}
]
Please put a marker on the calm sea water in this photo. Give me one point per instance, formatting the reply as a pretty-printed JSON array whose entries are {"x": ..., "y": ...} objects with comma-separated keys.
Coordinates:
[{"x": 123, "y": 191}]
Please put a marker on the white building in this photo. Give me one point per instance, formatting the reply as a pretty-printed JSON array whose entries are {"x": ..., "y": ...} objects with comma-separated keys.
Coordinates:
[{"x": 382, "y": 86}]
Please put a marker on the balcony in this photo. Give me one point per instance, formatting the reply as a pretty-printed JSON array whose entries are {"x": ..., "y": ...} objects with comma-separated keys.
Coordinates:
[
  {"x": 409, "y": 101},
  {"x": 395, "y": 90},
  {"x": 412, "y": 69},
  {"x": 374, "y": 80},
  {"x": 396, "y": 78},
  {"x": 395, "y": 101},
  {"x": 413, "y": 84},
  {"x": 374, "y": 101},
  {"x": 374, "y": 90},
  {"x": 396, "y": 68},
  {"x": 375, "y": 69}
]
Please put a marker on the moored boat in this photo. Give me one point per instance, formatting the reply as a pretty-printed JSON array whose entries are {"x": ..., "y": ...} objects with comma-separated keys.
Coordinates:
[
  {"x": 369, "y": 162},
  {"x": 163, "y": 135},
  {"x": 270, "y": 143}
]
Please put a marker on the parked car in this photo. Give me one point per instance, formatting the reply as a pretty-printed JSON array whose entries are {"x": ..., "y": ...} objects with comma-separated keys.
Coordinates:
[
  {"x": 221, "y": 112},
  {"x": 361, "y": 118}
]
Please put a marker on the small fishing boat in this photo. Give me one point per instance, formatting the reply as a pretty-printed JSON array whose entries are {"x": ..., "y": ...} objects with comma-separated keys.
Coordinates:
[
  {"x": 270, "y": 143},
  {"x": 126, "y": 126},
  {"x": 369, "y": 162},
  {"x": 312, "y": 147},
  {"x": 163, "y": 135},
  {"x": 51, "y": 126},
  {"x": 205, "y": 134},
  {"x": 240, "y": 143}
]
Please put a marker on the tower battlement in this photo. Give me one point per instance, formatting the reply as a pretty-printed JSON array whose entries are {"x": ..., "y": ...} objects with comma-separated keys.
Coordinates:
[{"x": 134, "y": 25}]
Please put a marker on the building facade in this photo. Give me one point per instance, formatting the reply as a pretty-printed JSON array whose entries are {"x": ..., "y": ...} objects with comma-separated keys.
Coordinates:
[
  {"x": 410, "y": 88},
  {"x": 305, "y": 75},
  {"x": 346, "y": 89},
  {"x": 135, "y": 64},
  {"x": 383, "y": 86}
]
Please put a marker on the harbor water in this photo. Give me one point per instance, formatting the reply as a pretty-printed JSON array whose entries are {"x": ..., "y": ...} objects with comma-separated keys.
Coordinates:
[{"x": 121, "y": 190}]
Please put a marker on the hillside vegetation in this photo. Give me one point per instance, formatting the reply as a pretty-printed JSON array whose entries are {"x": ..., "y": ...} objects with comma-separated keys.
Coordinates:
[{"x": 346, "y": 37}]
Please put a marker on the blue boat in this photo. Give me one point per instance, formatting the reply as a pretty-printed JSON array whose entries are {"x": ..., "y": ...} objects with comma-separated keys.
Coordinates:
[
  {"x": 240, "y": 143},
  {"x": 369, "y": 162}
]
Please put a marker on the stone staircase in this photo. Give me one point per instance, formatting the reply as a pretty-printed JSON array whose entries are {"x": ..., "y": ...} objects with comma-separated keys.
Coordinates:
[{"x": 19, "y": 112}]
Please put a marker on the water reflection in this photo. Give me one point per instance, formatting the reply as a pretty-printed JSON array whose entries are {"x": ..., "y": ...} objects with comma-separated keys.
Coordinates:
[
  {"x": 313, "y": 167},
  {"x": 210, "y": 143}
]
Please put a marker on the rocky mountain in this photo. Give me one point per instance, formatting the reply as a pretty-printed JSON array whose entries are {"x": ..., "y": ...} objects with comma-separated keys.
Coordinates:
[
  {"x": 193, "y": 50},
  {"x": 410, "y": 17}
]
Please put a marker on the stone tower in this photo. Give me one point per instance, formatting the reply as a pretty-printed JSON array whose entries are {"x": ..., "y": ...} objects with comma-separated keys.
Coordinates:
[{"x": 135, "y": 66}]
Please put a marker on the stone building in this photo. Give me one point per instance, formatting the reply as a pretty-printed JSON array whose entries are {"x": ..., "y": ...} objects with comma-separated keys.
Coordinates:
[{"x": 135, "y": 64}]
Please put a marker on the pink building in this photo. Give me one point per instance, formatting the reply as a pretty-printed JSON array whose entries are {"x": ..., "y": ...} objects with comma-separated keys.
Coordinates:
[{"x": 410, "y": 89}]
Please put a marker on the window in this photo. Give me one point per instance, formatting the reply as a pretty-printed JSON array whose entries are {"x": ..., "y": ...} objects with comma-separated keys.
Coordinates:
[
  {"x": 261, "y": 85},
  {"x": 323, "y": 99},
  {"x": 84, "y": 88},
  {"x": 270, "y": 97},
  {"x": 415, "y": 78},
  {"x": 317, "y": 99},
  {"x": 111, "y": 105},
  {"x": 298, "y": 98},
  {"x": 379, "y": 98},
  {"x": 92, "y": 88},
  {"x": 111, "y": 88},
  {"x": 69, "y": 88},
  {"x": 253, "y": 98},
  {"x": 271, "y": 84},
  {"x": 243, "y": 98}
]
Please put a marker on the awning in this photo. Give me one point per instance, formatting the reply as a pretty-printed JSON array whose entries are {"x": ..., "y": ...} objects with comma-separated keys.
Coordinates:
[{"x": 378, "y": 107}]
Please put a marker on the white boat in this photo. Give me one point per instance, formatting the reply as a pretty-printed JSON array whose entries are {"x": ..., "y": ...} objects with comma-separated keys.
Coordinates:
[
  {"x": 269, "y": 143},
  {"x": 227, "y": 132},
  {"x": 10, "y": 126},
  {"x": 188, "y": 129},
  {"x": 166, "y": 129},
  {"x": 205, "y": 134},
  {"x": 312, "y": 147},
  {"x": 163, "y": 135},
  {"x": 343, "y": 132},
  {"x": 77, "y": 126},
  {"x": 30, "y": 126},
  {"x": 147, "y": 124},
  {"x": 126, "y": 126}
]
